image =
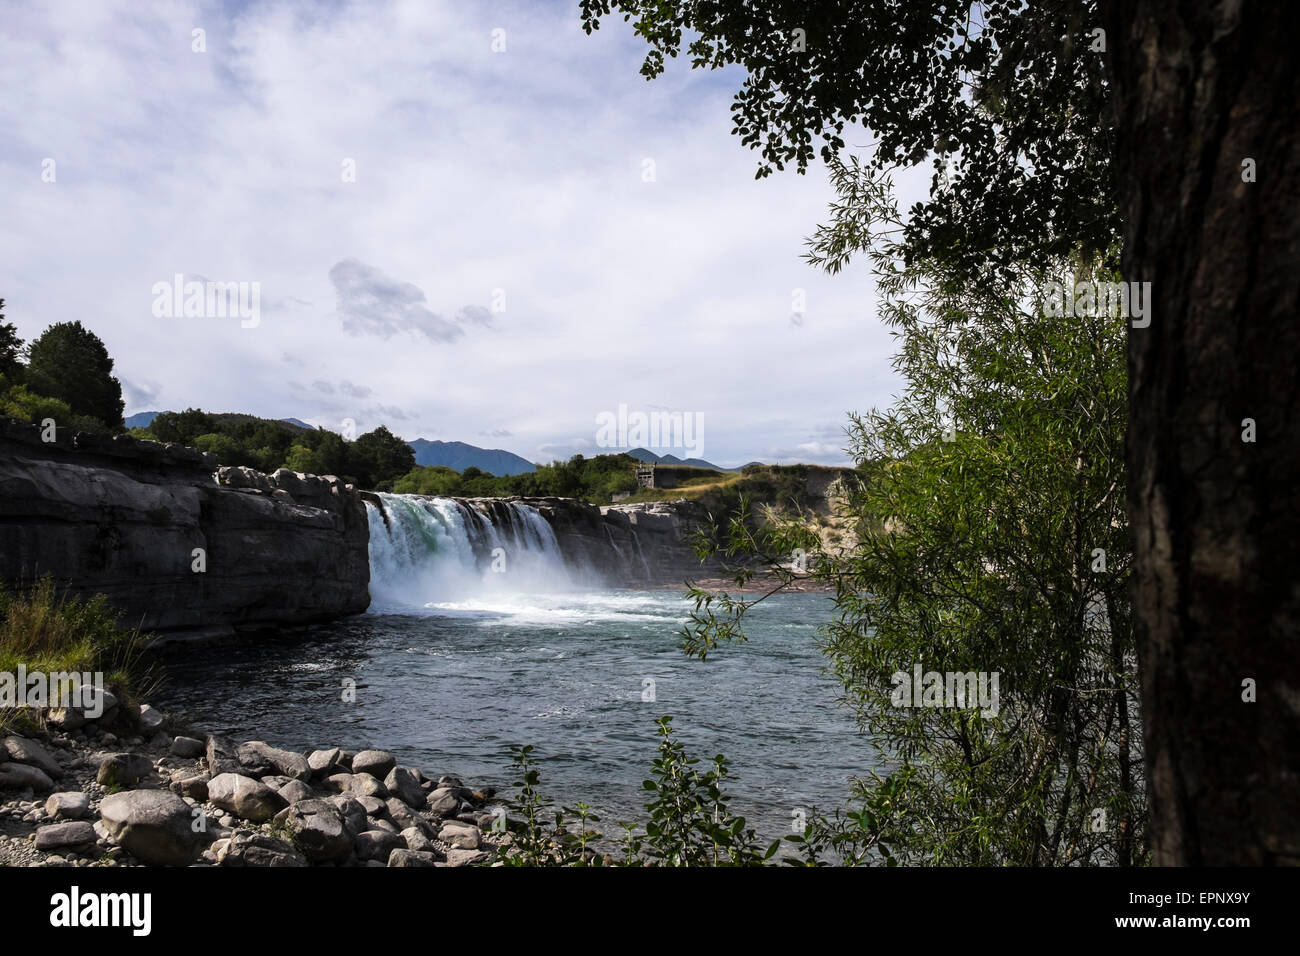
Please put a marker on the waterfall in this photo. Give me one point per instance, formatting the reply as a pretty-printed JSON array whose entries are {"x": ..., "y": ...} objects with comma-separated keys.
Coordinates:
[{"x": 439, "y": 551}]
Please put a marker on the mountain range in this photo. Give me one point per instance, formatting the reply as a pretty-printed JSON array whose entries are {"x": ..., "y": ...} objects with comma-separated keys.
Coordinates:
[
  {"x": 644, "y": 454},
  {"x": 458, "y": 456}
]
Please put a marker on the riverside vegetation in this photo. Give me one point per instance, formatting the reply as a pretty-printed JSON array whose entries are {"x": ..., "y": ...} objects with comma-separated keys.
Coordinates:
[{"x": 991, "y": 536}]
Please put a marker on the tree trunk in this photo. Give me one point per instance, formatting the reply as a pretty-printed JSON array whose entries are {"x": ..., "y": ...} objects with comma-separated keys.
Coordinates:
[{"x": 1199, "y": 87}]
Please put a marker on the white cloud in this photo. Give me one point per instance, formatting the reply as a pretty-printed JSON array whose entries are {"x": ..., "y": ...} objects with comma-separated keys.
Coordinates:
[
  {"x": 561, "y": 450},
  {"x": 497, "y": 259},
  {"x": 372, "y": 303}
]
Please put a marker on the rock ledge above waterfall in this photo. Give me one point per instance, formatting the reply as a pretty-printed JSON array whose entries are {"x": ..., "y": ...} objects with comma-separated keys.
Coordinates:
[{"x": 151, "y": 527}]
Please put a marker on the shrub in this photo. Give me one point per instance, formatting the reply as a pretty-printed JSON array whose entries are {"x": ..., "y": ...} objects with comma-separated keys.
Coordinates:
[{"x": 689, "y": 824}]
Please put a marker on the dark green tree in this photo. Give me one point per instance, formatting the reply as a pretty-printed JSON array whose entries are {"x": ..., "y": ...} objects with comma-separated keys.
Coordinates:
[
  {"x": 182, "y": 427},
  {"x": 429, "y": 480},
  {"x": 379, "y": 458},
  {"x": 1010, "y": 99},
  {"x": 990, "y": 539},
  {"x": 10, "y": 348},
  {"x": 555, "y": 479},
  {"x": 69, "y": 362},
  {"x": 331, "y": 453}
]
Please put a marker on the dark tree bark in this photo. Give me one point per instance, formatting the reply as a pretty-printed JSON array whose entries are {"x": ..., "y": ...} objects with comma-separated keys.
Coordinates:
[{"x": 1200, "y": 86}]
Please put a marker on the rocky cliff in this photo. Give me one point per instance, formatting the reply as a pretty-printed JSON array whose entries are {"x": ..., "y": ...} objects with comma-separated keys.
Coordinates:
[
  {"x": 124, "y": 518},
  {"x": 184, "y": 548}
]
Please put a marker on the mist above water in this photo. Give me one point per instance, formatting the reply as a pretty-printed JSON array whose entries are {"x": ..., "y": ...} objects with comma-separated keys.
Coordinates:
[{"x": 436, "y": 553}]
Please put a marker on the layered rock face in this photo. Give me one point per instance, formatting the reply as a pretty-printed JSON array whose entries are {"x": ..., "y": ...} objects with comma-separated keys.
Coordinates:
[
  {"x": 124, "y": 518},
  {"x": 662, "y": 533}
]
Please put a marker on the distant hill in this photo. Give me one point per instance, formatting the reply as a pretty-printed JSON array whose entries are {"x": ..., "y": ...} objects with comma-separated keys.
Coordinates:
[
  {"x": 644, "y": 454},
  {"x": 141, "y": 419},
  {"x": 458, "y": 456}
]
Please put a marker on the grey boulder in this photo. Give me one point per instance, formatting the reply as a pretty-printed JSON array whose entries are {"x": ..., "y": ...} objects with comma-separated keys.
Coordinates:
[
  {"x": 318, "y": 830},
  {"x": 466, "y": 857},
  {"x": 461, "y": 835},
  {"x": 295, "y": 791},
  {"x": 245, "y": 797},
  {"x": 124, "y": 770},
  {"x": 404, "y": 784},
  {"x": 99, "y": 703},
  {"x": 70, "y": 805},
  {"x": 65, "y": 718},
  {"x": 325, "y": 762},
  {"x": 260, "y": 759},
  {"x": 416, "y": 839},
  {"x": 256, "y": 849},
  {"x": 220, "y": 756},
  {"x": 23, "y": 750},
  {"x": 150, "y": 719},
  {"x": 20, "y": 776},
  {"x": 445, "y": 801},
  {"x": 352, "y": 812},
  {"x": 186, "y": 747},
  {"x": 377, "y": 845},
  {"x": 196, "y": 788},
  {"x": 152, "y": 825},
  {"x": 400, "y": 857},
  {"x": 364, "y": 785},
  {"x": 377, "y": 763},
  {"x": 405, "y": 817},
  {"x": 61, "y": 835}
]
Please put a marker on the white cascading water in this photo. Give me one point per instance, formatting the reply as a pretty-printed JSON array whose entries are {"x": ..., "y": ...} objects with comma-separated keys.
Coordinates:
[{"x": 440, "y": 553}]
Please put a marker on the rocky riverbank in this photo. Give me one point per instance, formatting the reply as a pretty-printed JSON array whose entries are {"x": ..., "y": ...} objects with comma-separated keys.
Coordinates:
[{"x": 132, "y": 789}]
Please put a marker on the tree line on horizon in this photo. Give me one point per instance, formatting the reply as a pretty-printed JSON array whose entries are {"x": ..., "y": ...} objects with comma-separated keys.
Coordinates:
[
  {"x": 373, "y": 460},
  {"x": 66, "y": 374}
]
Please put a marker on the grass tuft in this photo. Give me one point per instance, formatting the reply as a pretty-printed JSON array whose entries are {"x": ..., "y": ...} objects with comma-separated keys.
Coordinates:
[{"x": 43, "y": 629}]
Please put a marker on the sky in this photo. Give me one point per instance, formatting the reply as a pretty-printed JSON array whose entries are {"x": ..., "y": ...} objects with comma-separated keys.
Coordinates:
[{"x": 495, "y": 246}]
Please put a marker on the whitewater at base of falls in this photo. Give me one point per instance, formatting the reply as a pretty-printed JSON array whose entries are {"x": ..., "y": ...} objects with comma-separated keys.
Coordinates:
[
  {"x": 452, "y": 690},
  {"x": 445, "y": 555}
]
